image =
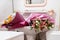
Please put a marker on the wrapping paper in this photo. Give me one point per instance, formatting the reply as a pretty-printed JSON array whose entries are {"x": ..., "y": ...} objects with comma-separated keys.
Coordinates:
[{"x": 17, "y": 22}]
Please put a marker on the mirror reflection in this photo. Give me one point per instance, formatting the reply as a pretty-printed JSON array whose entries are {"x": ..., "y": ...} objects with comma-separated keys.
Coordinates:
[{"x": 34, "y": 1}]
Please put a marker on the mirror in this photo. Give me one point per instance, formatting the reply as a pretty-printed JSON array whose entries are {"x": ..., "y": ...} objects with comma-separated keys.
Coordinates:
[{"x": 35, "y": 2}]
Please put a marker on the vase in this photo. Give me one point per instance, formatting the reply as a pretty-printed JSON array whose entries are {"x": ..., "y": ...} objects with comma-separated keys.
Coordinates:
[{"x": 41, "y": 36}]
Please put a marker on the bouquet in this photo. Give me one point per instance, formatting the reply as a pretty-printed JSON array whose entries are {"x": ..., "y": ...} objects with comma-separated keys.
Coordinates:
[{"x": 42, "y": 22}]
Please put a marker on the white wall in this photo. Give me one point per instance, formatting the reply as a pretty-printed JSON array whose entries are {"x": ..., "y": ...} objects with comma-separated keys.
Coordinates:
[
  {"x": 51, "y": 4},
  {"x": 5, "y": 9},
  {"x": 19, "y": 5}
]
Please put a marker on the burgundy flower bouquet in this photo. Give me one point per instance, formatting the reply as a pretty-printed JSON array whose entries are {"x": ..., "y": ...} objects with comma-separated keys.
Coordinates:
[{"x": 42, "y": 22}]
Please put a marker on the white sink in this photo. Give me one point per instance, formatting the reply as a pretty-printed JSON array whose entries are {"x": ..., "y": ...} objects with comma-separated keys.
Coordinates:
[{"x": 54, "y": 35}]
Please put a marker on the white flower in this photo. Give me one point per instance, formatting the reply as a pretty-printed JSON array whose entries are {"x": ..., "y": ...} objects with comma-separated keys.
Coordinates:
[{"x": 36, "y": 21}]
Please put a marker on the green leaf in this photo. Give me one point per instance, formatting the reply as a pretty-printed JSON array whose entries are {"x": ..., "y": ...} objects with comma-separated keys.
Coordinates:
[{"x": 48, "y": 28}]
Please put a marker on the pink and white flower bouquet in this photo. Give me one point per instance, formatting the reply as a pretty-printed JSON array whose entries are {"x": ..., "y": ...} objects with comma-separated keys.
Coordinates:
[{"x": 44, "y": 21}]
